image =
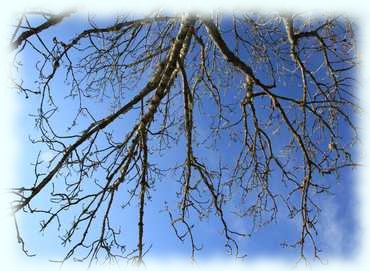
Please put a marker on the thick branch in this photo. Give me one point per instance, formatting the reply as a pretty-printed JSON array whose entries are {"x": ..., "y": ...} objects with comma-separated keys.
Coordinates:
[
  {"x": 229, "y": 55},
  {"x": 36, "y": 30}
]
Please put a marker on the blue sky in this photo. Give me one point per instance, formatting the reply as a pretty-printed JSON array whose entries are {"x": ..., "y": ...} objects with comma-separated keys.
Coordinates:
[{"x": 337, "y": 209}]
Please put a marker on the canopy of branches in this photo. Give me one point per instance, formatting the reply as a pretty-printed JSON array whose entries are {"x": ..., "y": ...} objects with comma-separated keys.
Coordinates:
[{"x": 246, "y": 114}]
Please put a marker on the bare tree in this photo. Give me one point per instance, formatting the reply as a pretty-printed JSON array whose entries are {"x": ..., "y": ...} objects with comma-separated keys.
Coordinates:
[{"x": 279, "y": 87}]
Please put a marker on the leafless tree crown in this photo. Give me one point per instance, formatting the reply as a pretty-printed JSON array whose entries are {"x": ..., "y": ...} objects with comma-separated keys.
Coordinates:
[{"x": 274, "y": 95}]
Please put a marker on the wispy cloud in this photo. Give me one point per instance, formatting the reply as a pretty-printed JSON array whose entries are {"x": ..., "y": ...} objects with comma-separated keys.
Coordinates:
[{"x": 331, "y": 228}]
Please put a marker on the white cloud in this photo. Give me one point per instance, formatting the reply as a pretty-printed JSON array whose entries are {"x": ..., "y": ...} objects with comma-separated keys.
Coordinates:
[{"x": 331, "y": 228}]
